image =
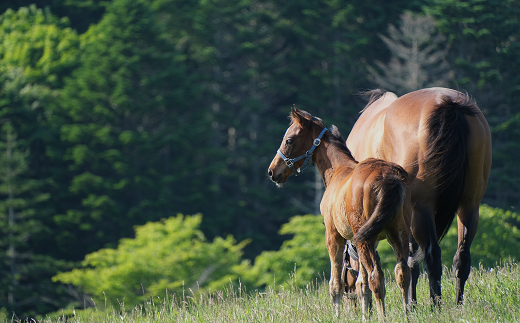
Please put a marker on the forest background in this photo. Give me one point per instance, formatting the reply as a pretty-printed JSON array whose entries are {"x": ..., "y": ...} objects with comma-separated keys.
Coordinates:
[{"x": 118, "y": 113}]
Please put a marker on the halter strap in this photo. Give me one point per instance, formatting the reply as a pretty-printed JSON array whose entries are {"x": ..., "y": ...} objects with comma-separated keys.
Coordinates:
[{"x": 308, "y": 156}]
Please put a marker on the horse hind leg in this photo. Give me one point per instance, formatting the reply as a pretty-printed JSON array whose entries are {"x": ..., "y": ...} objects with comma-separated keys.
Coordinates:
[
  {"x": 402, "y": 276},
  {"x": 374, "y": 275},
  {"x": 398, "y": 239},
  {"x": 423, "y": 229},
  {"x": 467, "y": 221},
  {"x": 413, "y": 264},
  {"x": 363, "y": 292}
]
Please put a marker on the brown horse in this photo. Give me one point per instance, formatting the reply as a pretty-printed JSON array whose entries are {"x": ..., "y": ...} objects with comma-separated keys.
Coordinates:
[
  {"x": 366, "y": 202},
  {"x": 441, "y": 138}
]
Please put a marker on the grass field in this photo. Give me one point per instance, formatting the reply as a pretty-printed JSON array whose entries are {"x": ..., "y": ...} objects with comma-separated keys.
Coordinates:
[{"x": 491, "y": 296}]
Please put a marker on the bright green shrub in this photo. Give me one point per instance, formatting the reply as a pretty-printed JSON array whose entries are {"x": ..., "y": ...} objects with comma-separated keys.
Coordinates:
[
  {"x": 169, "y": 255},
  {"x": 299, "y": 260}
]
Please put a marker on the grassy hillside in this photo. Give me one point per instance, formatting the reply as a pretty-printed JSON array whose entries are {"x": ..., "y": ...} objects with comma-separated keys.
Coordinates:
[{"x": 492, "y": 295}]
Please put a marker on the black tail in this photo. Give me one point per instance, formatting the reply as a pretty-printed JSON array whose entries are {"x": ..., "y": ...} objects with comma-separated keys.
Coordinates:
[
  {"x": 390, "y": 192},
  {"x": 447, "y": 155}
]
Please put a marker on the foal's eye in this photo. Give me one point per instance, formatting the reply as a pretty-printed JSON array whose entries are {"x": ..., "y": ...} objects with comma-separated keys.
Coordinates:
[{"x": 289, "y": 141}]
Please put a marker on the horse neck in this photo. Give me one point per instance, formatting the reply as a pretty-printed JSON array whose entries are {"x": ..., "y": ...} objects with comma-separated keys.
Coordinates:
[{"x": 330, "y": 158}]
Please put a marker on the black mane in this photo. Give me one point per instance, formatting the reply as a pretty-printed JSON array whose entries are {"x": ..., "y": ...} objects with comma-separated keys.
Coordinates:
[{"x": 337, "y": 140}]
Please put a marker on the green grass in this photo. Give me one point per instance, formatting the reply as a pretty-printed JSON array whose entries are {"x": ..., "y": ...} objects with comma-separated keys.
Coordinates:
[{"x": 491, "y": 296}]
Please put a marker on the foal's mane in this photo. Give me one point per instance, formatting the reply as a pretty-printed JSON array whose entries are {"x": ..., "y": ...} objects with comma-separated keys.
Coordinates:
[{"x": 333, "y": 134}]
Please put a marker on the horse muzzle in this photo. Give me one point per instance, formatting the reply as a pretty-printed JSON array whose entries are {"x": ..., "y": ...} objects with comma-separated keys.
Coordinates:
[{"x": 274, "y": 178}]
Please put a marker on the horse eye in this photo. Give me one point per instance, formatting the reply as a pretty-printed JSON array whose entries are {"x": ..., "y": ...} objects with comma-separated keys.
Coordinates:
[{"x": 289, "y": 141}]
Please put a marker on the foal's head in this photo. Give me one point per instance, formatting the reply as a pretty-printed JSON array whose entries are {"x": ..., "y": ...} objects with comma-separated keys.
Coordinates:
[{"x": 298, "y": 139}]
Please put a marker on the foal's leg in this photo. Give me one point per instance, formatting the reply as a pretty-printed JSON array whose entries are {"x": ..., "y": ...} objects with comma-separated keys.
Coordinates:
[
  {"x": 376, "y": 279},
  {"x": 335, "y": 246},
  {"x": 350, "y": 275},
  {"x": 467, "y": 221},
  {"x": 423, "y": 229},
  {"x": 399, "y": 243},
  {"x": 363, "y": 291}
]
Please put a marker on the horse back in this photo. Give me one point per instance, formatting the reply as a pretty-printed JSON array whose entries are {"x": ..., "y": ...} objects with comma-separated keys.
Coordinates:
[{"x": 365, "y": 138}]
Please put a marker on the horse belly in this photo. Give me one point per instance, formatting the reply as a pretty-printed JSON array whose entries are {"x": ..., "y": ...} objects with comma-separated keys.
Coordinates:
[
  {"x": 342, "y": 209},
  {"x": 343, "y": 226}
]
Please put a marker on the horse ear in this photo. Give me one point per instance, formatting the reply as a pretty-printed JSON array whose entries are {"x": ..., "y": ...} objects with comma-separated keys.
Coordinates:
[{"x": 297, "y": 117}]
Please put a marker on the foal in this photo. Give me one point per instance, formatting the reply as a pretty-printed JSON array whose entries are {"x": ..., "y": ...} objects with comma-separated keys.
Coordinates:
[{"x": 364, "y": 202}]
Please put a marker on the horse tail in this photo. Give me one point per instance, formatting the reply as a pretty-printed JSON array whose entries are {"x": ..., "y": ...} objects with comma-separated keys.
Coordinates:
[
  {"x": 447, "y": 155},
  {"x": 390, "y": 193}
]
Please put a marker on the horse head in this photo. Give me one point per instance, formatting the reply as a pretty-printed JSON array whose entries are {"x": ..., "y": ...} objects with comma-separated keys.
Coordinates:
[{"x": 295, "y": 152}]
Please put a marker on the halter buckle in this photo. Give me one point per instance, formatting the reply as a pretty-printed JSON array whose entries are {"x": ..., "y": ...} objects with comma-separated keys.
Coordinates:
[
  {"x": 289, "y": 162},
  {"x": 317, "y": 142}
]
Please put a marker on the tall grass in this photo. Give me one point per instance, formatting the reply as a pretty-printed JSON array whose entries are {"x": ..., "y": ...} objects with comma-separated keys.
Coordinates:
[{"x": 491, "y": 296}]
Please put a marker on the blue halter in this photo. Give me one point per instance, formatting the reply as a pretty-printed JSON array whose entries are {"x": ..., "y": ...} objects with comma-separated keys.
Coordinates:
[{"x": 308, "y": 156}]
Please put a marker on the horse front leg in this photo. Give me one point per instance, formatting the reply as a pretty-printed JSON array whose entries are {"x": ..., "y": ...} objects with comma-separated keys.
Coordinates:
[
  {"x": 467, "y": 222},
  {"x": 350, "y": 275},
  {"x": 335, "y": 246}
]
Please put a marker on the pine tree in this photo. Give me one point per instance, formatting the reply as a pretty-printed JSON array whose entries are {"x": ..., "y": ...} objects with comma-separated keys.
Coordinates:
[
  {"x": 135, "y": 139},
  {"x": 37, "y": 52},
  {"x": 418, "y": 56},
  {"x": 23, "y": 285}
]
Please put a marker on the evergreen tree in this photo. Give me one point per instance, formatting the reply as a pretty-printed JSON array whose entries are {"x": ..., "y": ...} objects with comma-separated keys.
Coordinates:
[
  {"x": 134, "y": 137},
  {"x": 25, "y": 287},
  {"x": 418, "y": 57},
  {"x": 37, "y": 51}
]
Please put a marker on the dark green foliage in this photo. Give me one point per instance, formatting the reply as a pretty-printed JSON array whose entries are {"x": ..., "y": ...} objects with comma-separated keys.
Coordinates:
[
  {"x": 129, "y": 130},
  {"x": 80, "y": 13},
  {"x": 37, "y": 52},
  {"x": 25, "y": 285}
]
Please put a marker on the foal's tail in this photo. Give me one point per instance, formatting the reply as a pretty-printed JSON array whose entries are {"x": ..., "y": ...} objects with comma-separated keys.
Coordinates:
[{"x": 390, "y": 193}]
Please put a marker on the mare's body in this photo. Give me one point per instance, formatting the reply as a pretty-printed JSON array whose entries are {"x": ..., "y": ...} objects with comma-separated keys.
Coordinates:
[{"x": 441, "y": 138}]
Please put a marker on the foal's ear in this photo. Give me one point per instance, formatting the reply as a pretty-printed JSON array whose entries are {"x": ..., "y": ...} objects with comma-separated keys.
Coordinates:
[{"x": 297, "y": 117}]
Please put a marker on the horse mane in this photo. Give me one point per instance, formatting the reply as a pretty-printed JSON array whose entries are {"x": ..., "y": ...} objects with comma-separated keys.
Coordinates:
[
  {"x": 308, "y": 116},
  {"x": 447, "y": 155},
  {"x": 333, "y": 134},
  {"x": 337, "y": 140},
  {"x": 375, "y": 95}
]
